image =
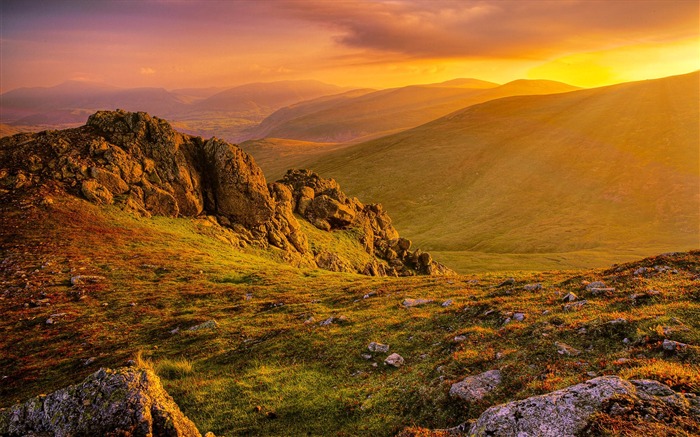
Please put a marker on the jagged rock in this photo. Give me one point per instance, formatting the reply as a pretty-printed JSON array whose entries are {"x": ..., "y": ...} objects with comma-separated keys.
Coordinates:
[
  {"x": 475, "y": 388},
  {"x": 394, "y": 360},
  {"x": 595, "y": 284},
  {"x": 96, "y": 193},
  {"x": 209, "y": 324},
  {"x": 331, "y": 261},
  {"x": 507, "y": 282},
  {"x": 570, "y": 297},
  {"x": 571, "y": 411},
  {"x": 673, "y": 346},
  {"x": 532, "y": 287},
  {"x": 127, "y": 401}
]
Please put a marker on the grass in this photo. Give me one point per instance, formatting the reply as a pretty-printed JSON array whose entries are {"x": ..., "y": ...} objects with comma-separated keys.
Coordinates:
[{"x": 270, "y": 368}]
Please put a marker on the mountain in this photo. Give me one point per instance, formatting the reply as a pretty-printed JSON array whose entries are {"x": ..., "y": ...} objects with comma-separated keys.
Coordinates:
[
  {"x": 388, "y": 111},
  {"x": 263, "y": 98},
  {"x": 588, "y": 173}
]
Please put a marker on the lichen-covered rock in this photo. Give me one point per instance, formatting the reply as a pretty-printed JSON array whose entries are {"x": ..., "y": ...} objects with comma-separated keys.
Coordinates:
[
  {"x": 571, "y": 411},
  {"x": 126, "y": 401}
]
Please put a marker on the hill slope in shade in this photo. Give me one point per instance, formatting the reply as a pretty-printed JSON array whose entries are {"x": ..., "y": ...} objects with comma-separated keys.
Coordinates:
[
  {"x": 606, "y": 168},
  {"x": 389, "y": 111}
]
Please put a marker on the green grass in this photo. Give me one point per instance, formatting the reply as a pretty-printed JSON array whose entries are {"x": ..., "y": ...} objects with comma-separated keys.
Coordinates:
[{"x": 270, "y": 368}]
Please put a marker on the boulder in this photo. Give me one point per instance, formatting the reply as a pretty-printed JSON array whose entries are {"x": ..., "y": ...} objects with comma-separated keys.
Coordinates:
[
  {"x": 394, "y": 360},
  {"x": 127, "y": 401},
  {"x": 475, "y": 388},
  {"x": 571, "y": 411},
  {"x": 96, "y": 193}
]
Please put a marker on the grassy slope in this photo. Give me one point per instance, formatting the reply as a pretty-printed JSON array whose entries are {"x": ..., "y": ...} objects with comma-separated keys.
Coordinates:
[
  {"x": 178, "y": 273},
  {"x": 393, "y": 110},
  {"x": 591, "y": 173}
]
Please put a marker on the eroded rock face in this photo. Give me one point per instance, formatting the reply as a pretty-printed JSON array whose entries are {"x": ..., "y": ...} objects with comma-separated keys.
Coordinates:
[
  {"x": 127, "y": 401},
  {"x": 569, "y": 412},
  {"x": 323, "y": 203},
  {"x": 142, "y": 165}
]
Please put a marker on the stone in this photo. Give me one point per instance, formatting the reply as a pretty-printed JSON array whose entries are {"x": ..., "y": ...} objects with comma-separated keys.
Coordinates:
[
  {"x": 595, "y": 284},
  {"x": 459, "y": 339},
  {"x": 127, "y": 401},
  {"x": 565, "y": 349},
  {"x": 507, "y": 282},
  {"x": 519, "y": 317},
  {"x": 96, "y": 193},
  {"x": 571, "y": 411},
  {"x": 378, "y": 347},
  {"x": 475, "y": 388},
  {"x": 673, "y": 346},
  {"x": 569, "y": 297},
  {"x": 446, "y": 303},
  {"x": 574, "y": 306},
  {"x": 86, "y": 279},
  {"x": 394, "y": 360},
  {"x": 410, "y": 303},
  {"x": 532, "y": 287}
]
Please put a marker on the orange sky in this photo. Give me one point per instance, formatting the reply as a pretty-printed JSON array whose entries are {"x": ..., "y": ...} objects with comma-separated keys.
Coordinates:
[{"x": 375, "y": 44}]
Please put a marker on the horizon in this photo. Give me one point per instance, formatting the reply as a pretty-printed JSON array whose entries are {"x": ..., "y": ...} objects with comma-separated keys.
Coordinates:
[{"x": 370, "y": 44}]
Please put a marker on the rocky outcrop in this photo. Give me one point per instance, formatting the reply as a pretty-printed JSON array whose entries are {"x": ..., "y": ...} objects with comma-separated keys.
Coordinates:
[
  {"x": 143, "y": 165},
  {"x": 574, "y": 410},
  {"x": 127, "y": 401},
  {"x": 475, "y": 388},
  {"x": 323, "y": 203}
]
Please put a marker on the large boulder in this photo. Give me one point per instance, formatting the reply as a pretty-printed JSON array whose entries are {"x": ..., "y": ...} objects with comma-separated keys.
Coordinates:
[
  {"x": 571, "y": 411},
  {"x": 127, "y": 401},
  {"x": 475, "y": 388}
]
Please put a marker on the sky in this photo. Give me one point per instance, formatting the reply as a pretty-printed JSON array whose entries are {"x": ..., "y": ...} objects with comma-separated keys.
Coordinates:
[{"x": 375, "y": 44}]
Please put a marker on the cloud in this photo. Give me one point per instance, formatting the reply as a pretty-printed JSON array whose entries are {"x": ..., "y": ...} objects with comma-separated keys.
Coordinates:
[
  {"x": 147, "y": 71},
  {"x": 492, "y": 29}
]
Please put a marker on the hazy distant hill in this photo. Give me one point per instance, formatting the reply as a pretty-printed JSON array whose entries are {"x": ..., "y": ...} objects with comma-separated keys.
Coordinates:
[
  {"x": 389, "y": 111},
  {"x": 202, "y": 111},
  {"x": 614, "y": 167}
]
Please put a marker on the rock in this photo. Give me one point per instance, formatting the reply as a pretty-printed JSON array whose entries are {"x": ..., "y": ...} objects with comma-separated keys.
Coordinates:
[
  {"x": 565, "y": 349},
  {"x": 668, "y": 345},
  {"x": 394, "y": 360},
  {"x": 475, "y": 388},
  {"x": 532, "y": 287},
  {"x": 96, "y": 193},
  {"x": 519, "y": 317},
  {"x": 507, "y": 282},
  {"x": 595, "y": 284},
  {"x": 332, "y": 211},
  {"x": 85, "y": 279},
  {"x": 459, "y": 338},
  {"x": 410, "y": 303},
  {"x": 332, "y": 262},
  {"x": 126, "y": 401},
  {"x": 574, "y": 306},
  {"x": 209, "y": 324},
  {"x": 570, "y": 297},
  {"x": 571, "y": 411},
  {"x": 338, "y": 320},
  {"x": 378, "y": 347},
  {"x": 446, "y": 303}
]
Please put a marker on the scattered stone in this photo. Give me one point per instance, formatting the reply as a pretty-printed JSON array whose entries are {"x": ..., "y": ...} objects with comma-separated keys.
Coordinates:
[
  {"x": 460, "y": 339},
  {"x": 618, "y": 321},
  {"x": 519, "y": 317},
  {"x": 366, "y": 356},
  {"x": 565, "y": 349},
  {"x": 570, "y": 297},
  {"x": 126, "y": 401},
  {"x": 394, "y": 360},
  {"x": 338, "y": 320},
  {"x": 446, "y": 303},
  {"x": 570, "y": 411},
  {"x": 410, "y": 303},
  {"x": 175, "y": 331},
  {"x": 50, "y": 321},
  {"x": 595, "y": 284},
  {"x": 545, "y": 312},
  {"x": 621, "y": 361},
  {"x": 601, "y": 291},
  {"x": 475, "y": 388},
  {"x": 89, "y": 361},
  {"x": 673, "y": 346},
  {"x": 507, "y": 282},
  {"x": 370, "y": 294},
  {"x": 532, "y": 287},
  {"x": 209, "y": 324},
  {"x": 378, "y": 347},
  {"x": 309, "y": 321},
  {"x": 85, "y": 279}
]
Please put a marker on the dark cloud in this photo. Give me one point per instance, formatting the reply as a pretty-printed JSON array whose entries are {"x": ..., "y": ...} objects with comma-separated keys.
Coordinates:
[{"x": 495, "y": 28}]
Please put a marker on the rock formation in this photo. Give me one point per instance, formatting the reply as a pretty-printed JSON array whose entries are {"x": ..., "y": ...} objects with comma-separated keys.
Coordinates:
[
  {"x": 127, "y": 401},
  {"x": 141, "y": 164},
  {"x": 573, "y": 411}
]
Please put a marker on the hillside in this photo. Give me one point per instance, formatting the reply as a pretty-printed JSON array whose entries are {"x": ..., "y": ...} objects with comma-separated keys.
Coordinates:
[
  {"x": 579, "y": 176},
  {"x": 388, "y": 111},
  {"x": 248, "y": 345}
]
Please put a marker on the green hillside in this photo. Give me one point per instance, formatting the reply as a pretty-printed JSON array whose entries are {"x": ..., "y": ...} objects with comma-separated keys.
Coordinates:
[{"x": 589, "y": 173}]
